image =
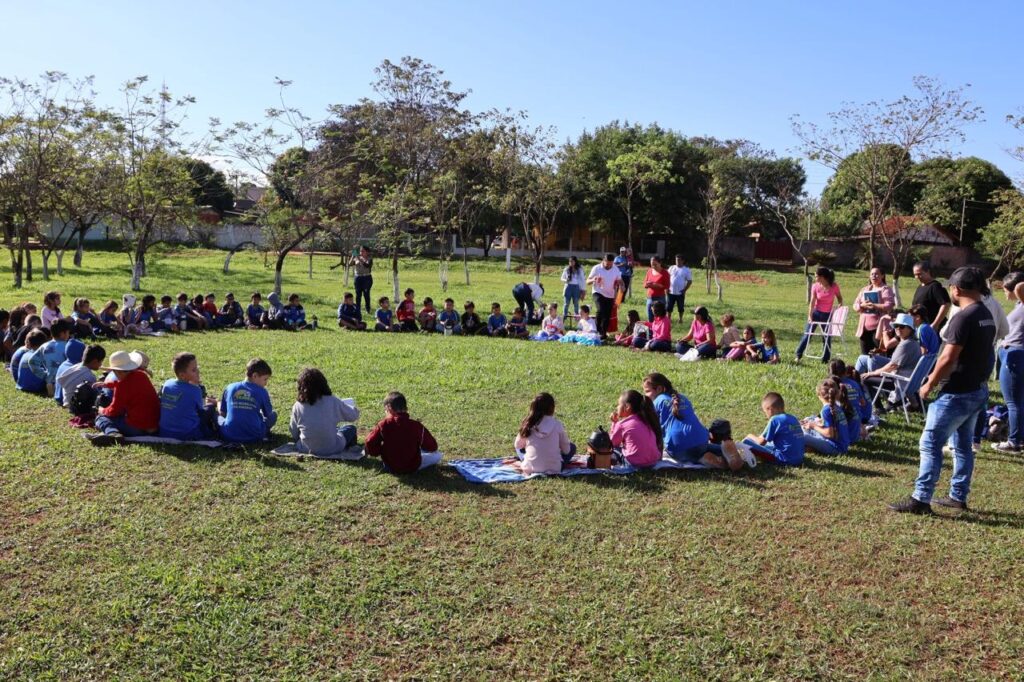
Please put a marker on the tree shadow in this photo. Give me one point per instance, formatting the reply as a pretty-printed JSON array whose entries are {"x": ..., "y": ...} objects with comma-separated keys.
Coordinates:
[
  {"x": 836, "y": 467},
  {"x": 992, "y": 519},
  {"x": 440, "y": 479},
  {"x": 193, "y": 454}
]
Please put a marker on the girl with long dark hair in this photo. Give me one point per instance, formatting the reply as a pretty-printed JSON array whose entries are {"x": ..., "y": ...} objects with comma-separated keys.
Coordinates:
[
  {"x": 542, "y": 440},
  {"x": 316, "y": 414}
]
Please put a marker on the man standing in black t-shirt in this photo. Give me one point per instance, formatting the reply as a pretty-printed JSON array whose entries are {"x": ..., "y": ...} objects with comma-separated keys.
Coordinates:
[
  {"x": 961, "y": 375},
  {"x": 932, "y": 295}
]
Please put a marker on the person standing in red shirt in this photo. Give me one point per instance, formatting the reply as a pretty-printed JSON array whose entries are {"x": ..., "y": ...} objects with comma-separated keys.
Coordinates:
[
  {"x": 135, "y": 407},
  {"x": 656, "y": 283},
  {"x": 403, "y": 443}
]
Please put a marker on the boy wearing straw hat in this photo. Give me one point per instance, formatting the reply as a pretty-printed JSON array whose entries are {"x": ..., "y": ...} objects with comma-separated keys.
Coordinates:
[{"x": 134, "y": 408}]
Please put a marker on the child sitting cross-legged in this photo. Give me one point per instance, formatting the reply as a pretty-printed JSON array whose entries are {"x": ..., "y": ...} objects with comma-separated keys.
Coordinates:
[
  {"x": 404, "y": 444},
  {"x": 47, "y": 360},
  {"x": 316, "y": 414},
  {"x": 186, "y": 316},
  {"x": 186, "y": 412},
  {"x": 134, "y": 408},
  {"x": 628, "y": 333},
  {"x": 25, "y": 379},
  {"x": 542, "y": 441},
  {"x": 471, "y": 322},
  {"x": 246, "y": 413},
  {"x": 254, "y": 311},
  {"x": 661, "y": 331},
  {"x": 828, "y": 433},
  {"x": 427, "y": 316},
  {"x": 231, "y": 314},
  {"x": 294, "y": 314},
  {"x": 551, "y": 327},
  {"x": 737, "y": 350},
  {"x": 406, "y": 312},
  {"x": 71, "y": 376},
  {"x": 496, "y": 322},
  {"x": 782, "y": 441},
  {"x": 730, "y": 334},
  {"x": 448, "y": 321},
  {"x": 384, "y": 317},
  {"x": 636, "y": 430},
  {"x": 349, "y": 316},
  {"x": 516, "y": 327},
  {"x": 766, "y": 351},
  {"x": 855, "y": 393}
]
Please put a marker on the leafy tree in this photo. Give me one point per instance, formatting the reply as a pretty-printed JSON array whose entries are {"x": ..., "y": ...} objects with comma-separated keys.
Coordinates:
[
  {"x": 1003, "y": 238},
  {"x": 210, "y": 187},
  {"x": 631, "y": 173},
  {"x": 951, "y": 190},
  {"x": 723, "y": 195}
]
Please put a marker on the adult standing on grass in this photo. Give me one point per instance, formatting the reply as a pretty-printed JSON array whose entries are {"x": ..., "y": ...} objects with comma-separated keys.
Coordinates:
[
  {"x": 825, "y": 295},
  {"x": 961, "y": 375},
  {"x": 525, "y": 294},
  {"x": 605, "y": 280},
  {"x": 656, "y": 283},
  {"x": 1011, "y": 364},
  {"x": 680, "y": 279},
  {"x": 931, "y": 294},
  {"x": 574, "y": 284},
  {"x": 363, "y": 263},
  {"x": 624, "y": 262},
  {"x": 873, "y": 301}
]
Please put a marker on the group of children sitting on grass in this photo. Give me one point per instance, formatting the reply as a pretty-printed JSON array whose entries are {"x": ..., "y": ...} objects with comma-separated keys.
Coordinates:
[
  {"x": 701, "y": 342},
  {"x": 428, "y": 319}
]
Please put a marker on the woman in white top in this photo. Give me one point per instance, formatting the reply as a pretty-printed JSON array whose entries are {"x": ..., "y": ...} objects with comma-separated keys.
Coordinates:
[{"x": 575, "y": 281}]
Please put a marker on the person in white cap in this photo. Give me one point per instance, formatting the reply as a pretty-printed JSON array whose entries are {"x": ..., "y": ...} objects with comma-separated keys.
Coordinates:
[
  {"x": 134, "y": 409},
  {"x": 903, "y": 361}
]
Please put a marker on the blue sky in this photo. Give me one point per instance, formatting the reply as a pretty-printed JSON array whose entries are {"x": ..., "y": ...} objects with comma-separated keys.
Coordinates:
[{"x": 728, "y": 69}]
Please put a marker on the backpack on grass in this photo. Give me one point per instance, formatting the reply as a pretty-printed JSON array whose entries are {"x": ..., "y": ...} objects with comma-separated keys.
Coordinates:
[{"x": 83, "y": 399}]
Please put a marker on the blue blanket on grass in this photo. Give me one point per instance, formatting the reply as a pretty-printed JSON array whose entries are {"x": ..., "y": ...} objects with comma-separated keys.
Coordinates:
[{"x": 493, "y": 471}]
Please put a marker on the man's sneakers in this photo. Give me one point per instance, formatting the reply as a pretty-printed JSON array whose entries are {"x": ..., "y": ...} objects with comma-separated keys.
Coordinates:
[
  {"x": 1007, "y": 446},
  {"x": 950, "y": 503},
  {"x": 911, "y": 505},
  {"x": 103, "y": 440}
]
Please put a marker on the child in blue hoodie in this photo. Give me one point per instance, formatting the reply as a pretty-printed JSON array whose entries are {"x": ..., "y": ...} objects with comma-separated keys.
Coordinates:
[
  {"x": 246, "y": 413},
  {"x": 349, "y": 316},
  {"x": 47, "y": 360}
]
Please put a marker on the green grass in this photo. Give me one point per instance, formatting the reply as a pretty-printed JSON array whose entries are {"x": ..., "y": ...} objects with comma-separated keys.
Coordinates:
[{"x": 181, "y": 563}]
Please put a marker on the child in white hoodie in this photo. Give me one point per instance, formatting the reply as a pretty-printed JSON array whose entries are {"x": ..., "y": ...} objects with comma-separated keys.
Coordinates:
[{"x": 542, "y": 439}]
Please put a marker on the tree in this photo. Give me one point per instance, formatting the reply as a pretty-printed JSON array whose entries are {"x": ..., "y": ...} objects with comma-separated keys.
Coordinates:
[
  {"x": 722, "y": 193},
  {"x": 955, "y": 193},
  {"x": 1003, "y": 238},
  {"x": 888, "y": 137},
  {"x": 634, "y": 171},
  {"x": 151, "y": 189},
  {"x": 210, "y": 187},
  {"x": 775, "y": 187}
]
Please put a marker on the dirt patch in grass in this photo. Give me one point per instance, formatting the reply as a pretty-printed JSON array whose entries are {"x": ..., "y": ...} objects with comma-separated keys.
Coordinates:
[{"x": 741, "y": 277}]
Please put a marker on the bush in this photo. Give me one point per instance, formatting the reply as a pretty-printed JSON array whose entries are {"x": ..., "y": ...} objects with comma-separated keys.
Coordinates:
[{"x": 821, "y": 257}]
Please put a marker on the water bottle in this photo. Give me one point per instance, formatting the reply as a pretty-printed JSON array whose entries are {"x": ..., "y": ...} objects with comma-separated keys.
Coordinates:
[
  {"x": 183, "y": 324},
  {"x": 315, "y": 322}
]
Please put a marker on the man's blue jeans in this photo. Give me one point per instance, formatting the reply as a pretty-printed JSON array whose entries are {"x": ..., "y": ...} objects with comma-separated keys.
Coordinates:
[
  {"x": 1011, "y": 381},
  {"x": 816, "y": 316},
  {"x": 117, "y": 425},
  {"x": 951, "y": 414}
]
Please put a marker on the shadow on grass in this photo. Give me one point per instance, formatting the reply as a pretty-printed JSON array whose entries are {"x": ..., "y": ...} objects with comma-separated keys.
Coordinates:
[
  {"x": 442, "y": 479},
  {"x": 993, "y": 519},
  {"x": 192, "y": 454},
  {"x": 845, "y": 469}
]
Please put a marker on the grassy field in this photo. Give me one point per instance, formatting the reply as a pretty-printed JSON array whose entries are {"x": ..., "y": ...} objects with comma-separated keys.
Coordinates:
[{"x": 180, "y": 563}]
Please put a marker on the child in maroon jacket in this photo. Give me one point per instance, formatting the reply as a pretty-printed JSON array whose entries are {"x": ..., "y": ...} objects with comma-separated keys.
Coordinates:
[{"x": 403, "y": 443}]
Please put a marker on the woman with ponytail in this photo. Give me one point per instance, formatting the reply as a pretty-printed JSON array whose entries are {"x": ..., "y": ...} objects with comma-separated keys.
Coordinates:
[
  {"x": 827, "y": 433},
  {"x": 542, "y": 440},
  {"x": 636, "y": 430}
]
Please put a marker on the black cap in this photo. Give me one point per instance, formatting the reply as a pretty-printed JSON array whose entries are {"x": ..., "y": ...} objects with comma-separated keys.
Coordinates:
[{"x": 968, "y": 278}]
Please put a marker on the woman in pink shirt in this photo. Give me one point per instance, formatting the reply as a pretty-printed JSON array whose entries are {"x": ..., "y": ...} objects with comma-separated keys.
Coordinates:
[
  {"x": 701, "y": 336},
  {"x": 825, "y": 295},
  {"x": 873, "y": 301},
  {"x": 636, "y": 430},
  {"x": 542, "y": 440},
  {"x": 661, "y": 332}
]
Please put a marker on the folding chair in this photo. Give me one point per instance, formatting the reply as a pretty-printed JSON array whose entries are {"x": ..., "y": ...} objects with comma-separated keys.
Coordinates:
[
  {"x": 905, "y": 388},
  {"x": 830, "y": 332}
]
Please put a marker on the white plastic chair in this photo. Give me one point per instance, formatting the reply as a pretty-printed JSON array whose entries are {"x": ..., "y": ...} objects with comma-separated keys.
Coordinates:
[
  {"x": 830, "y": 331},
  {"x": 907, "y": 387}
]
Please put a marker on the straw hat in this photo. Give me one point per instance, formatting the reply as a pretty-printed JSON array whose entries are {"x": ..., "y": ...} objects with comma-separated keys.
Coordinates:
[
  {"x": 140, "y": 358},
  {"x": 122, "y": 361}
]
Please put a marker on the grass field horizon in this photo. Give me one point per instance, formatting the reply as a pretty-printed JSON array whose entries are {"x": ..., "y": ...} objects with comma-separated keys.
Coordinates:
[{"x": 176, "y": 562}]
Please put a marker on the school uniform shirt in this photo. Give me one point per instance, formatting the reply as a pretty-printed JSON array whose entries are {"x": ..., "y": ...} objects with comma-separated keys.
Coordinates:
[
  {"x": 608, "y": 277},
  {"x": 678, "y": 278},
  {"x": 928, "y": 339},
  {"x": 784, "y": 433},
  {"x": 544, "y": 447},
  {"x": 683, "y": 432},
  {"x": 166, "y": 316},
  {"x": 517, "y": 326},
  {"x": 181, "y": 312},
  {"x": 769, "y": 353},
  {"x": 255, "y": 314},
  {"x": 449, "y": 318},
  {"x": 248, "y": 414},
  {"x": 47, "y": 360},
  {"x": 471, "y": 322},
  {"x": 233, "y": 311},
  {"x": 316, "y": 425},
  {"x": 68, "y": 379},
  {"x": 129, "y": 316},
  {"x": 552, "y": 325},
  {"x": 637, "y": 440},
  {"x": 853, "y": 423},
  {"x": 855, "y": 394},
  {"x": 384, "y": 316},
  {"x": 349, "y": 312},
  {"x": 16, "y": 359},
  {"x": 136, "y": 400},
  {"x": 398, "y": 440},
  {"x": 26, "y": 379},
  {"x": 832, "y": 416},
  {"x": 294, "y": 315},
  {"x": 496, "y": 322},
  {"x": 181, "y": 410},
  {"x": 661, "y": 328},
  {"x": 406, "y": 310}
]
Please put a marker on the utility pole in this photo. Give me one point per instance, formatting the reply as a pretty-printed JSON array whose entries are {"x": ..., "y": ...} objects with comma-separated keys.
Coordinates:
[{"x": 963, "y": 214}]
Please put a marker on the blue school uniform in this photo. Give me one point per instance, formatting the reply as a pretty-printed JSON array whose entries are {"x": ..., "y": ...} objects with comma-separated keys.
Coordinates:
[
  {"x": 928, "y": 338},
  {"x": 517, "y": 327},
  {"x": 255, "y": 314},
  {"x": 448, "y": 318},
  {"x": 682, "y": 433},
  {"x": 786, "y": 438},
  {"x": 349, "y": 312},
  {"x": 833, "y": 416},
  {"x": 16, "y": 361},
  {"x": 384, "y": 317},
  {"x": 47, "y": 359},
  {"x": 294, "y": 316},
  {"x": 231, "y": 312},
  {"x": 181, "y": 410},
  {"x": 496, "y": 322},
  {"x": 27, "y": 380},
  {"x": 247, "y": 413},
  {"x": 855, "y": 393}
]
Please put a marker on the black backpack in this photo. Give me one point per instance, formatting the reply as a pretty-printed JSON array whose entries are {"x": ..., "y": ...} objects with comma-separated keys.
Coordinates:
[{"x": 83, "y": 399}]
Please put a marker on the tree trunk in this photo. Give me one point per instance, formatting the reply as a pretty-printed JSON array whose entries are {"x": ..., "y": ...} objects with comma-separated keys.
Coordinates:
[
  {"x": 137, "y": 274},
  {"x": 79, "y": 249},
  {"x": 46, "y": 266},
  {"x": 808, "y": 279},
  {"x": 16, "y": 264},
  {"x": 60, "y": 262},
  {"x": 871, "y": 245},
  {"x": 311, "y": 264},
  {"x": 278, "y": 268},
  {"x": 28, "y": 264},
  {"x": 465, "y": 262},
  {"x": 394, "y": 274},
  {"x": 629, "y": 229},
  {"x": 898, "y": 301}
]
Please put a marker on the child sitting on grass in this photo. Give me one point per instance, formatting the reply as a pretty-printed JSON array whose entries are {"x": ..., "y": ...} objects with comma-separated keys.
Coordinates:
[
  {"x": 496, "y": 322},
  {"x": 186, "y": 413},
  {"x": 47, "y": 360},
  {"x": 449, "y": 318},
  {"x": 626, "y": 336},
  {"x": 661, "y": 331},
  {"x": 129, "y": 315},
  {"x": 404, "y": 444},
  {"x": 254, "y": 311},
  {"x": 782, "y": 441},
  {"x": 51, "y": 308},
  {"x": 730, "y": 334},
  {"x": 427, "y": 316},
  {"x": 316, "y": 414},
  {"x": 636, "y": 430},
  {"x": 406, "y": 312},
  {"x": 542, "y": 440},
  {"x": 231, "y": 314},
  {"x": 294, "y": 314},
  {"x": 384, "y": 316},
  {"x": 25, "y": 379},
  {"x": 134, "y": 409},
  {"x": 165, "y": 315},
  {"x": 471, "y": 322},
  {"x": 737, "y": 350},
  {"x": 246, "y": 413},
  {"x": 828, "y": 433},
  {"x": 349, "y": 316},
  {"x": 766, "y": 351},
  {"x": 70, "y": 376},
  {"x": 854, "y": 392},
  {"x": 551, "y": 327},
  {"x": 186, "y": 317},
  {"x": 197, "y": 307},
  {"x": 108, "y": 316},
  {"x": 516, "y": 327}
]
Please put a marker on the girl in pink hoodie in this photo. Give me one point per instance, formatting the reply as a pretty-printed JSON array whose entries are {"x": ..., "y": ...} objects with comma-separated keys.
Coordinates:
[{"x": 542, "y": 438}]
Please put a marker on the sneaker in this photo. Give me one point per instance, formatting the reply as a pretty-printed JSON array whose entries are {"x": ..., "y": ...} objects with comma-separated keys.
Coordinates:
[
  {"x": 102, "y": 440},
  {"x": 911, "y": 505},
  {"x": 747, "y": 456},
  {"x": 1006, "y": 446},
  {"x": 950, "y": 503}
]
